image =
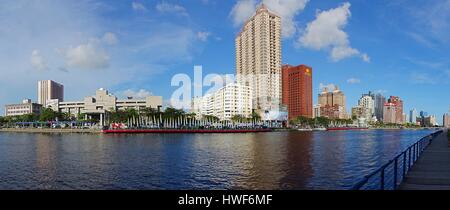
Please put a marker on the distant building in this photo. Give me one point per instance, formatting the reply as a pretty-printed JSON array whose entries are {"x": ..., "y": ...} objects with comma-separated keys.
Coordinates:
[
  {"x": 380, "y": 100},
  {"x": 446, "y": 121},
  {"x": 390, "y": 113},
  {"x": 367, "y": 103},
  {"x": 102, "y": 103},
  {"x": 258, "y": 59},
  {"x": 26, "y": 107},
  {"x": 297, "y": 91},
  {"x": 316, "y": 111},
  {"x": 413, "y": 116},
  {"x": 358, "y": 112},
  {"x": 48, "y": 90},
  {"x": 428, "y": 121},
  {"x": 423, "y": 114},
  {"x": 332, "y": 104},
  {"x": 232, "y": 99},
  {"x": 395, "y": 100}
]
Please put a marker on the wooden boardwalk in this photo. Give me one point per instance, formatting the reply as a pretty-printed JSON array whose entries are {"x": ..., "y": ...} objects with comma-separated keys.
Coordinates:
[{"x": 432, "y": 170}]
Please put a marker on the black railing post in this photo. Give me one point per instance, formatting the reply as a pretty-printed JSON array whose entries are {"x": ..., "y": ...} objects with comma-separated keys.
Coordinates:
[
  {"x": 409, "y": 158},
  {"x": 395, "y": 172},
  {"x": 417, "y": 153},
  {"x": 414, "y": 154},
  {"x": 382, "y": 179},
  {"x": 404, "y": 164}
]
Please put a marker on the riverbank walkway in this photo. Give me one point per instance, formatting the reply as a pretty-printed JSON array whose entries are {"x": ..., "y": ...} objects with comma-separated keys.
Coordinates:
[{"x": 432, "y": 170}]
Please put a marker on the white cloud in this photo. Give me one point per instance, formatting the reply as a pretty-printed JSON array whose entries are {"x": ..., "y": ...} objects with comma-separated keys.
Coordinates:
[
  {"x": 286, "y": 9},
  {"x": 381, "y": 91},
  {"x": 165, "y": 7},
  {"x": 38, "y": 61},
  {"x": 326, "y": 32},
  {"x": 242, "y": 11},
  {"x": 353, "y": 81},
  {"x": 365, "y": 57},
  {"x": 140, "y": 94},
  {"x": 330, "y": 87},
  {"x": 203, "y": 35},
  {"x": 110, "y": 38},
  {"x": 138, "y": 6},
  {"x": 86, "y": 56}
]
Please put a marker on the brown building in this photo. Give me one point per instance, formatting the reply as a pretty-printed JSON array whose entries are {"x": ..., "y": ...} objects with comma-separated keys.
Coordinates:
[
  {"x": 390, "y": 113},
  {"x": 297, "y": 90},
  {"x": 332, "y": 104},
  {"x": 395, "y": 100},
  {"x": 446, "y": 120}
]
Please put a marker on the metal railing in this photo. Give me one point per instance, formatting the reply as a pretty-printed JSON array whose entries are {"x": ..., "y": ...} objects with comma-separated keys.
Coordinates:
[{"x": 403, "y": 162}]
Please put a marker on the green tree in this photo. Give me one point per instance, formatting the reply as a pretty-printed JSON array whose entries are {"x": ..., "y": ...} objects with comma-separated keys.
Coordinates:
[
  {"x": 255, "y": 116},
  {"x": 48, "y": 115},
  {"x": 238, "y": 118},
  {"x": 2, "y": 121},
  {"x": 322, "y": 121},
  {"x": 29, "y": 118},
  {"x": 210, "y": 118},
  {"x": 173, "y": 113}
]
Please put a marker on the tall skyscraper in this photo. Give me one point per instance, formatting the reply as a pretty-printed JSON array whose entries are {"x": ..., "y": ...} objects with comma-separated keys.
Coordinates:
[
  {"x": 258, "y": 58},
  {"x": 398, "y": 108},
  {"x": 413, "y": 116},
  {"x": 297, "y": 91},
  {"x": 380, "y": 100},
  {"x": 49, "y": 90},
  {"x": 332, "y": 104}
]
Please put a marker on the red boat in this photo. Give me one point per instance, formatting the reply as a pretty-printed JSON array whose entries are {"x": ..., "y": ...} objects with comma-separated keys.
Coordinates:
[
  {"x": 345, "y": 129},
  {"x": 124, "y": 131}
]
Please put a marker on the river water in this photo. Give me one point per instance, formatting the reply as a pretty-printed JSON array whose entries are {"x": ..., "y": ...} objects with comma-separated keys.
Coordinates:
[{"x": 278, "y": 160}]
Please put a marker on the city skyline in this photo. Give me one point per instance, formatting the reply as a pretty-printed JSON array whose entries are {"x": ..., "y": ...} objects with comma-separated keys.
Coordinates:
[{"x": 107, "y": 53}]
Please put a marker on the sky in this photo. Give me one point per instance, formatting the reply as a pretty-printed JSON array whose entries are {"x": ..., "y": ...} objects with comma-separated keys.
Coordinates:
[{"x": 135, "y": 47}]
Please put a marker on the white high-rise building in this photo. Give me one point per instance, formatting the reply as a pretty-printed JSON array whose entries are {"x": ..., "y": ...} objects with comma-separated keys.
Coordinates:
[
  {"x": 368, "y": 104},
  {"x": 233, "y": 99},
  {"x": 413, "y": 116},
  {"x": 49, "y": 90},
  {"x": 258, "y": 59}
]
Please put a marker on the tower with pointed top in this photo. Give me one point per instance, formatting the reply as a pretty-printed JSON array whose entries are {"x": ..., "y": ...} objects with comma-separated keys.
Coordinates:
[{"x": 258, "y": 58}]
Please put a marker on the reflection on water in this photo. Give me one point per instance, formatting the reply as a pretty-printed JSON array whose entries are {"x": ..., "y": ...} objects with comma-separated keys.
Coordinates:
[{"x": 279, "y": 160}]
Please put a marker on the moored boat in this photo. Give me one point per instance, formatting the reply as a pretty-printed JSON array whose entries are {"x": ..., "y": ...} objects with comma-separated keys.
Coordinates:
[{"x": 138, "y": 131}]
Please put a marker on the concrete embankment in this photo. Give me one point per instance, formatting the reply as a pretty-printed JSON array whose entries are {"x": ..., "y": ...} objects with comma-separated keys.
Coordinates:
[{"x": 48, "y": 130}]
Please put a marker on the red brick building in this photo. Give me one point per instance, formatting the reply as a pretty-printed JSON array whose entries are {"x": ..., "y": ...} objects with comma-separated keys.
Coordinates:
[
  {"x": 297, "y": 90},
  {"x": 398, "y": 108}
]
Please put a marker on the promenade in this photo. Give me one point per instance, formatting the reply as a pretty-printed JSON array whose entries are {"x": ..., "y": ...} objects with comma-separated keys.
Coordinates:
[{"x": 432, "y": 170}]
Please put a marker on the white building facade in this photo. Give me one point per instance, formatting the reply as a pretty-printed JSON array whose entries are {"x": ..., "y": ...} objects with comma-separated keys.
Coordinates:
[
  {"x": 102, "y": 103},
  {"x": 230, "y": 100},
  {"x": 26, "y": 107},
  {"x": 48, "y": 90},
  {"x": 258, "y": 59},
  {"x": 368, "y": 104}
]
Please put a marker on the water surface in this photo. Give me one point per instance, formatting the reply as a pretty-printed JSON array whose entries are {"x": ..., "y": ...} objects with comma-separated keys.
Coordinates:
[{"x": 279, "y": 160}]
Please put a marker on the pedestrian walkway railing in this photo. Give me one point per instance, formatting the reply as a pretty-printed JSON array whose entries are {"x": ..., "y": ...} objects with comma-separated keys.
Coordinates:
[{"x": 390, "y": 175}]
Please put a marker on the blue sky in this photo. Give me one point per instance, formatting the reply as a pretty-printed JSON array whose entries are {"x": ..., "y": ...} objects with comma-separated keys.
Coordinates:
[{"x": 134, "y": 47}]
